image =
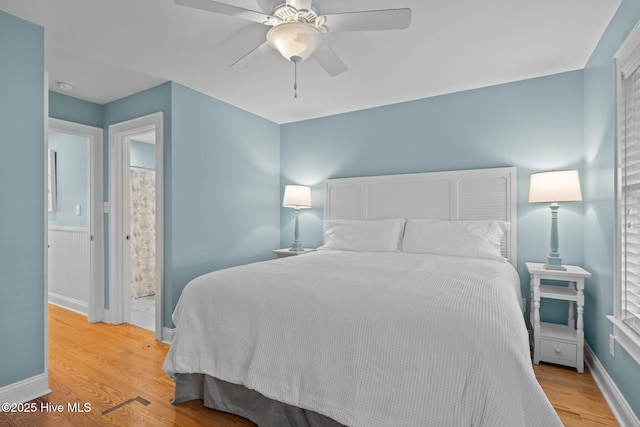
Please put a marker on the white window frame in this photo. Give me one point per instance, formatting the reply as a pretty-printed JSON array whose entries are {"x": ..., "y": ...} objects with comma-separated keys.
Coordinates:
[{"x": 628, "y": 55}]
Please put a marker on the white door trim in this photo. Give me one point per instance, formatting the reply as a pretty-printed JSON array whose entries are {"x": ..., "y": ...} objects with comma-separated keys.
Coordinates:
[
  {"x": 96, "y": 215},
  {"x": 119, "y": 134},
  {"x": 44, "y": 379}
]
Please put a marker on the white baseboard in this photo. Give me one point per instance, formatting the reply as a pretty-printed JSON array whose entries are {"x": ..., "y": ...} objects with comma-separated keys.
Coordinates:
[
  {"x": 616, "y": 401},
  {"x": 69, "y": 303},
  {"x": 167, "y": 334},
  {"x": 107, "y": 316},
  {"x": 25, "y": 390}
]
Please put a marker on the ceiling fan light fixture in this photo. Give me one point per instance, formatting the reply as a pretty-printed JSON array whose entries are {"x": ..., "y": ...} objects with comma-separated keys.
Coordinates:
[{"x": 296, "y": 41}]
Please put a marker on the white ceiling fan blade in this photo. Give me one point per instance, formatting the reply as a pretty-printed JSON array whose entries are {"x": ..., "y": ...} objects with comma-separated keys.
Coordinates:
[
  {"x": 267, "y": 6},
  {"x": 388, "y": 19},
  {"x": 328, "y": 60},
  {"x": 225, "y": 9},
  {"x": 249, "y": 57},
  {"x": 300, "y": 4}
]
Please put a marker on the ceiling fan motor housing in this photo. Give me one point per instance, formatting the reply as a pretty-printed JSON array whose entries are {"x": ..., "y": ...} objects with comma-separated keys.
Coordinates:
[{"x": 287, "y": 13}]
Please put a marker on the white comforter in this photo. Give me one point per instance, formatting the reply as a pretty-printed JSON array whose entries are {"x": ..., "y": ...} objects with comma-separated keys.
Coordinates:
[{"x": 368, "y": 339}]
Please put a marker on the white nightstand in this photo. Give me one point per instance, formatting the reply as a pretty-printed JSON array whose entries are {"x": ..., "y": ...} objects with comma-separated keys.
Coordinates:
[
  {"x": 283, "y": 253},
  {"x": 561, "y": 344}
]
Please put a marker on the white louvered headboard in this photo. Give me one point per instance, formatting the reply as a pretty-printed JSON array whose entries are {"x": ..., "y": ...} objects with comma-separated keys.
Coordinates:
[{"x": 449, "y": 195}]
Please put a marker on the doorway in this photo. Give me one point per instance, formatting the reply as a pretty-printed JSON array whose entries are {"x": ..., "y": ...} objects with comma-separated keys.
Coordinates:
[
  {"x": 139, "y": 309},
  {"x": 75, "y": 218},
  {"x": 136, "y": 222}
]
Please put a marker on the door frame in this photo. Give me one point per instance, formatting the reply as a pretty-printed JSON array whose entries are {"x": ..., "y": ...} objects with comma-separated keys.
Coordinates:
[
  {"x": 96, "y": 210},
  {"x": 119, "y": 246}
]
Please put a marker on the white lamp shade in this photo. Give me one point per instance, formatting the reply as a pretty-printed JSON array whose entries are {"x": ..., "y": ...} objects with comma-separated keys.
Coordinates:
[
  {"x": 296, "y": 41},
  {"x": 297, "y": 196},
  {"x": 555, "y": 186}
]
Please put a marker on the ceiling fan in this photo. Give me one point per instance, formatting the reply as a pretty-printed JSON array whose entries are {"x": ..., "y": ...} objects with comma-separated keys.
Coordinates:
[{"x": 298, "y": 30}]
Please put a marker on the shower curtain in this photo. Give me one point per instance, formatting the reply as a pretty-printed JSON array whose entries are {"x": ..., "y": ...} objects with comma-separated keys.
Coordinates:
[{"x": 143, "y": 232}]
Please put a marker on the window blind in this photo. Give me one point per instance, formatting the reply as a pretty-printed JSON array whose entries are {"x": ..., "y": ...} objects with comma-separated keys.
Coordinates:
[{"x": 630, "y": 183}]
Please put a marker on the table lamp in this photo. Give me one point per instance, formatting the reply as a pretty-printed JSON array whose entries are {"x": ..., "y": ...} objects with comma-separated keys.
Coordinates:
[
  {"x": 297, "y": 197},
  {"x": 554, "y": 187}
]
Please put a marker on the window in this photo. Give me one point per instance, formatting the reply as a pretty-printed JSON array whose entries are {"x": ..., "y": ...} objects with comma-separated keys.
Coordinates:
[{"x": 626, "y": 316}]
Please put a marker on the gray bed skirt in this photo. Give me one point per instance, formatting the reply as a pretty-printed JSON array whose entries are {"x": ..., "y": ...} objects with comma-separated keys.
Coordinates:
[{"x": 250, "y": 404}]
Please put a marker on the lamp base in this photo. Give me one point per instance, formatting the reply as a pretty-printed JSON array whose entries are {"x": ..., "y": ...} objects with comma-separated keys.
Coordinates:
[
  {"x": 296, "y": 247},
  {"x": 554, "y": 263}
]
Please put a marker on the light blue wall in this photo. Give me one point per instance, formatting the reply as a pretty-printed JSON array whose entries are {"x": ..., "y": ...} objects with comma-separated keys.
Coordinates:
[
  {"x": 75, "y": 110},
  {"x": 22, "y": 209},
  {"x": 599, "y": 192},
  {"x": 222, "y": 180},
  {"x": 72, "y": 153},
  {"x": 533, "y": 125},
  {"x": 225, "y": 186}
]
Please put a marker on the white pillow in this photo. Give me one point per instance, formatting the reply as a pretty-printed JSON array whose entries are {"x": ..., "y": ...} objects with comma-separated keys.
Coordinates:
[
  {"x": 472, "y": 238},
  {"x": 382, "y": 235}
]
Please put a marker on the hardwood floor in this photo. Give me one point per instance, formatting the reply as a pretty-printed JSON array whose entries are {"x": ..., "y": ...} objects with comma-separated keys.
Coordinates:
[
  {"x": 117, "y": 370},
  {"x": 114, "y": 374},
  {"x": 576, "y": 397}
]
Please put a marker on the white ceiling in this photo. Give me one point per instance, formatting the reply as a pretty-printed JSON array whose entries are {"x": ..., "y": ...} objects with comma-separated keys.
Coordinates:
[{"x": 110, "y": 49}]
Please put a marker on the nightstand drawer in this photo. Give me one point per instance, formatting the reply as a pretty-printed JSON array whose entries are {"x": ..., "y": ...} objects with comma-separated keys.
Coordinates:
[{"x": 551, "y": 350}]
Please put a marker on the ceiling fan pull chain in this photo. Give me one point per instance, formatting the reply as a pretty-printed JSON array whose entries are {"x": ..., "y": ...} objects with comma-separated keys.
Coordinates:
[{"x": 295, "y": 79}]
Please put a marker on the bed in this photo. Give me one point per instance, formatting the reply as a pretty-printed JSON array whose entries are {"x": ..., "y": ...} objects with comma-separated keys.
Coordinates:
[{"x": 410, "y": 314}]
